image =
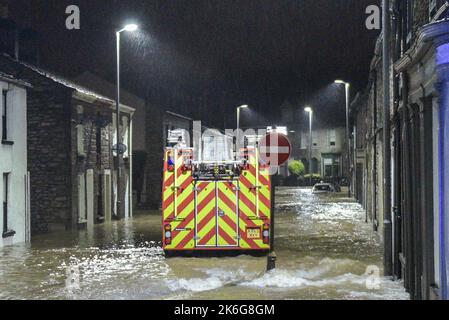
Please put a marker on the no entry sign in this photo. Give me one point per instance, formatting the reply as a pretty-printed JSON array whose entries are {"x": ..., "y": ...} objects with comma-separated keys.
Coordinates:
[{"x": 275, "y": 149}]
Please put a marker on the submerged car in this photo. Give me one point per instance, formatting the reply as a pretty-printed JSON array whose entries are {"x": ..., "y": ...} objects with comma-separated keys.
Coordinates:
[{"x": 324, "y": 188}]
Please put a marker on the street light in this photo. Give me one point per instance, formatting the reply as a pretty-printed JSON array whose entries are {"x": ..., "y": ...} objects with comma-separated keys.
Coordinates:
[
  {"x": 309, "y": 110},
  {"x": 131, "y": 27},
  {"x": 238, "y": 128},
  {"x": 347, "y": 87},
  {"x": 127, "y": 28}
]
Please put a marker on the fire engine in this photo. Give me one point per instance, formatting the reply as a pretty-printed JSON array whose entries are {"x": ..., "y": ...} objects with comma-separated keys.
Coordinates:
[{"x": 215, "y": 205}]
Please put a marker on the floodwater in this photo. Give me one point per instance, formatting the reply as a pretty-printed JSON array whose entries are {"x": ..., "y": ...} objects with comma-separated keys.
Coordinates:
[{"x": 324, "y": 247}]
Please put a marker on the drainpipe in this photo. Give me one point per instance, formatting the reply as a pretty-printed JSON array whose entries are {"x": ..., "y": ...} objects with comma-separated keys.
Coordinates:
[
  {"x": 386, "y": 140},
  {"x": 374, "y": 175},
  {"x": 396, "y": 201}
]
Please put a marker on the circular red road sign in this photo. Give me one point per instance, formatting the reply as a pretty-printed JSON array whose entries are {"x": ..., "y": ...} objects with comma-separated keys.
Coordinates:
[{"x": 275, "y": 149}]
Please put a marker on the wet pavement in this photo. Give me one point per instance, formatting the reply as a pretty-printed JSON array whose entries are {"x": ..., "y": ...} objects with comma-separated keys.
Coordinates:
[{"x": 324, "y": 247}]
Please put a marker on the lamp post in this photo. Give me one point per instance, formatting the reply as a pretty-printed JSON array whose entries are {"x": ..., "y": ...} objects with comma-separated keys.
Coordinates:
[
  {"x": 128, "y": 28},
  {"x": 347, "y": 87},
  {"x": 310, "y": 112},
  {"x": 238, "y": 129}
]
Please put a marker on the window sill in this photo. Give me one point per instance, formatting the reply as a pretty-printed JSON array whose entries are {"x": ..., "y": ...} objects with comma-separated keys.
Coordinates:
[
  {"x": 7, "y": 143},
  {"x": 8, "y": 234}
]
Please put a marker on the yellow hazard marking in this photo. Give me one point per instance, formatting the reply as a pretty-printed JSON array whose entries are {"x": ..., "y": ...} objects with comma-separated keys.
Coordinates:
[
  {"x": 206, "y": 213},
  {"x": 229, "y": 191}
]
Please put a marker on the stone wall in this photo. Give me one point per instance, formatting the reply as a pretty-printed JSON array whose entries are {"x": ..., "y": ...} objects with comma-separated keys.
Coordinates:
[
  {"x": 49, "y": 164},
  {"x": 48, "y": 156},
  {"x": 53, "y": 159},
  {"x": 96, "y": 122},
  {"x": 368, "y": 118}
]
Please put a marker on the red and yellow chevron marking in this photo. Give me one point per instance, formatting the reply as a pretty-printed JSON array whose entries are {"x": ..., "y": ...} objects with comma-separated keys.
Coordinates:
[
  {"x": 215, "y": 215},
  {"x": 206, "y": 214},
  {"x": 227, "y": 217},
  {"x": 249, "y": 200},
  {"x": 179, "y": 212}
]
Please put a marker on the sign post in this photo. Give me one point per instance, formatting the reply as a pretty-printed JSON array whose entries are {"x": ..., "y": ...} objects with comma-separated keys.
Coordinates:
[{"x": 275, "y": 150}]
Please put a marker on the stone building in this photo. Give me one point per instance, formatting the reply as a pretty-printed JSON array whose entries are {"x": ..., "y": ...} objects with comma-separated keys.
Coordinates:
[
  {"x": 71, "y": 131},
  {"x": 328, "y": 147},
  {"x": 14, "y": 178},
  {"x": 366, "y": 114},
  {"x": 361, "y": 176},
  {"x": 107, "y": 89},
  {"x": 417, "y": 248}
]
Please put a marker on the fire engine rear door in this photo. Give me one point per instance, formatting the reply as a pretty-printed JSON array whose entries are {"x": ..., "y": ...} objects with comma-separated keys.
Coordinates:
[
  {"x": 227, "y": 212},
  {"x": 205, "y": 214}
]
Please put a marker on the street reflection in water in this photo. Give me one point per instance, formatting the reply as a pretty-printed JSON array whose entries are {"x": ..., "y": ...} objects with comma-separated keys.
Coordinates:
[{"x": 324, "y": 247}]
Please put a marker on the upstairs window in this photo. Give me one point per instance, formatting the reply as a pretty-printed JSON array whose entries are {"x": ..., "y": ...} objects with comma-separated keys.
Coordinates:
[
  {"x": 304, "y": 140},
  {"x": 332, "y": 138},
  {"x": 4, "y": 115}
]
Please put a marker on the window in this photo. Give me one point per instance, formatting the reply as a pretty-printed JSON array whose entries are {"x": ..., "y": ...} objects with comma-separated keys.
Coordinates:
[
  {"x": 4, "y": 115},
  {"x": 80, "y": 139},
  {"x": 5, "y": 202},
  {"x": 304, "y": 141},
  {"x": 332, "y": 137},
  {"x": 80, "y": 132}
]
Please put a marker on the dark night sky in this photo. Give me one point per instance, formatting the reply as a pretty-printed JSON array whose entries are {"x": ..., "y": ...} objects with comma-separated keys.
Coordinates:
[{"x": 258, "y": 52}]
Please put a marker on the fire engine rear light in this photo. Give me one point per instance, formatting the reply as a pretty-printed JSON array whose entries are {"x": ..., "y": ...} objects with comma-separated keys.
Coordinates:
[
  {"x": 167, "y": 234},
  {"x": 266, "y": 234}
]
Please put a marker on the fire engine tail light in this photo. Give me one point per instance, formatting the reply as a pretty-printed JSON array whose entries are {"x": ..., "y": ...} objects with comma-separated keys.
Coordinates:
[
  {"x": 167, "y": 234},
  {"x": 266, "y": 234}
]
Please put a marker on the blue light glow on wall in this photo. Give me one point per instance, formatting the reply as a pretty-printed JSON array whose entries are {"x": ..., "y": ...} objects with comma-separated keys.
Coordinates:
[
  {"x": 441, "y": 60},
  {"x": 443, "y": 54}
]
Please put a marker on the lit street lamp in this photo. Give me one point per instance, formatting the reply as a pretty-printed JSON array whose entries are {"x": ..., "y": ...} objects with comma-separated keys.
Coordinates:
[
  {"x": 238, "y": 129},
  {"x": 119, "y": 147},
  {"x": 309, "y": 110},
  {"x": 347, "y": 86}
]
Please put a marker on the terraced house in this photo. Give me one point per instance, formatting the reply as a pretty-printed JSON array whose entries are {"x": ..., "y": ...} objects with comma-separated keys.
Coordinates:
[
  {"x": 413, "y": 215},
  {"x": 14, "y": 192},
  {"x": 70, "y": 135}
]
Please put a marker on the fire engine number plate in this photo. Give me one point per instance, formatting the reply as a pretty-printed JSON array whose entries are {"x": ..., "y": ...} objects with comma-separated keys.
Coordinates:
[{"x": 253, "y": 233}]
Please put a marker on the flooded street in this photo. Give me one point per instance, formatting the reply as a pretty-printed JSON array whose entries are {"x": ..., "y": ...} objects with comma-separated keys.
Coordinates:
[{"x": 324, "y": 248}]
